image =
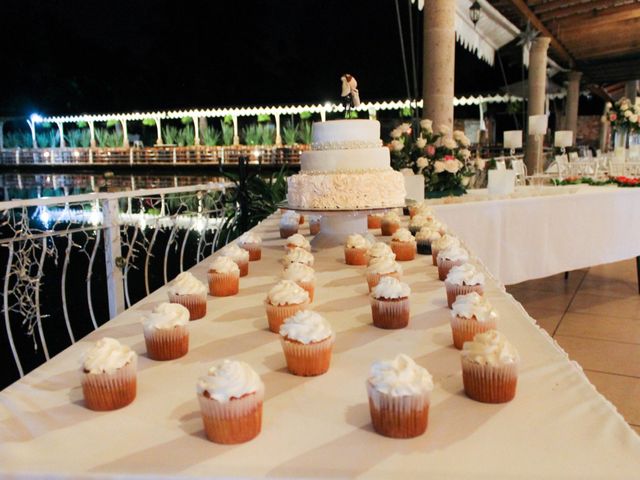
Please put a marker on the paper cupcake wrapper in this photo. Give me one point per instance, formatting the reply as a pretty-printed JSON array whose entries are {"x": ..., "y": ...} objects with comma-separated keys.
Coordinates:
[
  {"x": 223, "y": 284},
  {"x": 310, "y": 287},
  {"x": 355, "y": 256},
  {"x": 489, "y": 384},
  {"x": 374, "y": 278},
  {"x": 287, "y": 231},
  {"x": 414, "y": 229},
  {"x": 254, "y": 249},
  {"x": 445, "y": 266},
  {"x": 374, "y": 221},
  {"x": 243, "y": 265},
  {"x": 454, "y": 290},
  {"x": 236, "y": 421},
  {"x": 388, "y": 228},
  {"x": 110, "y": 391},
  {"x": 167, "y": 344},
  {"x": 390, "y": 314},
  {"x": 434, "y": 255},
  {"x": 412, "y": 212},
  {"x": 404, "y": 251},
  {"x": 196, "y": 304},
  {"x": 277, "y": 314},
  {"x": 464, "y": 329},
  {"x": 307, "y": 360},
  {"x": 398, "y": 417},
  {"x": 424, "y": 247},
  {"x": 314, "y": 227}
]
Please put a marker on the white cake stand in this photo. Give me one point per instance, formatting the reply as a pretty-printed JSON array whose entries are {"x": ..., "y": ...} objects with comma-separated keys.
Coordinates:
[{"x": 336, "y": 225}]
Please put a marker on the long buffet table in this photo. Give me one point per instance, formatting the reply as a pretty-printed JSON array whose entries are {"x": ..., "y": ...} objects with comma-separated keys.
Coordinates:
[
  {"x": 547, "y": 230},
  {"x": 558, "y": 426}
]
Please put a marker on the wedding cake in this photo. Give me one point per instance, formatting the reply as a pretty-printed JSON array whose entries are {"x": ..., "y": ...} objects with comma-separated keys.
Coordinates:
[{"x": 346, "y": 168}]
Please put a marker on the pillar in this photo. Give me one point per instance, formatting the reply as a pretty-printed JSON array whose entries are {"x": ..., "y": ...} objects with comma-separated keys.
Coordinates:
[
  {"x": 631, "y": 90},
  {"x": 61, "y": 131},
  {"x": 32, "y": 127},
  {"x": 278, "y": 136},
  {"x": 536, "y": 99},
  {"x": 125, "y": 134},
  {"x": 236, "y": 136},
  {"x": 92, "y": 132},
  {"x": 573, "y": 98},
  {"x": 438, "y": 66},
  {"x": 158, "y": 131},
  {"x": 603, "y": 139},
  {"x": 196, "y": 130}
]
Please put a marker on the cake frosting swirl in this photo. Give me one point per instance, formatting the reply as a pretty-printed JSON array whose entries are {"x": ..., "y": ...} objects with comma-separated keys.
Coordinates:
[
  {"x": 380, "y": 249},
  {"x": 298, "y": 255},
  {"x": 286, "y": 292},
  {"x": 390, "y": 288},
  {"x": 400, "y": 377},
  {"x": 473, "y": 305},
  {"x": 223, "y": 264},
  {"x": 465, "y": 274},
  {"x": 165, "y": 317},
  {"x": 107, "y": 356},
  {"x": 187, "y": 284},
  {"x": 235, "y": 253},
  {"x": 306, "y": 327},
  {"x": 445, "y": 242},
  {"x": 384, "y": 266},
  {"x": 298, "y": 241},
  {"x": 428, "y": 234},
  {"x": 454, "y": 253},
  {"x": 230, "y": 379},
  {"x": 490, "y": 348},
  {"x": 402, "y": 235},
  {"x": 249, "y": 238},
  {"x": 299, "y": 272},
  {"x": 356, "y": 240}
]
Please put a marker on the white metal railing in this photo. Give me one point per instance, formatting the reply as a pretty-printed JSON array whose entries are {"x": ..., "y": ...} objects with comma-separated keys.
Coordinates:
[{"x": 93, "y": 245}]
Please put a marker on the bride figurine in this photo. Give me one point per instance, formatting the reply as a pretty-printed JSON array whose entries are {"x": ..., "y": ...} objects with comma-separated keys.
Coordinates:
[{"x": 350, "y": 96}]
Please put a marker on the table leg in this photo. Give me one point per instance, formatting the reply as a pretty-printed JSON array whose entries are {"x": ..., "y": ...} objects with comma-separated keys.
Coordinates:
[{"x": 566, "y": 275}]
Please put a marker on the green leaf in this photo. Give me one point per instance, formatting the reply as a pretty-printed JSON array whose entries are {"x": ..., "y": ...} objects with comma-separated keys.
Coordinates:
[
  {"x": 262, "y": 118},
  {"x": 111, "y": 123},
  {"x": 82, "y": 124},
  {"x": 149, "y": 122},
  {"x": 406, "y": 112},
  {"x": 186, "y": 120},
  {"x": 305, "y": 115}
]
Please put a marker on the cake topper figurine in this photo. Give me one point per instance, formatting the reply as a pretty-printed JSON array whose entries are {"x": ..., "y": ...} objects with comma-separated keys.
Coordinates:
[{"x": 350, "y": 96}]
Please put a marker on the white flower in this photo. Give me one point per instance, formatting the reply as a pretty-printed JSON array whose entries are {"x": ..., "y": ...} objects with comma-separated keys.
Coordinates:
[
  {"x": 438, "y": 166},
  {"x": 458, "y": 134},
  {"x": 444, "y": 130},
  {"x": 633, "y": 118},
  {"x": 480, "y": 163},
  {"x": 608, "y": 105},
  {"x": 627, "y": 113},
  {"x": 448, "y": 142},
  {"x": 422, "y": 162},
  {"x": 405, "y": 127},
  {"x": 396, "y": 133},
  {"x": 396, "y": 145},
  {"x": 466, "y": 153},
  {"x": 452, "y": 166},
  {"x": 464, "y": 141},
  {"x": 465, "y": 181},
  {"x": 604, "y": 119},
  {"x": 426, "y": 124},
  {"x": 421, "y": 142}
]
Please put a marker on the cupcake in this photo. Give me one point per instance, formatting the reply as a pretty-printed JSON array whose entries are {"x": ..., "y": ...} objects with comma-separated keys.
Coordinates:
[
  {"x": 449, "y": 258},
  {"x": 109, "y": 375},
  {"x": 417, "y": 222},
  {"x": 230, "y": 398},
  {"x": 441, "y": 244},
  {"x": 424, "y": 238},
  {"x": 390, "y": 303},
  {"x": 303, "y": 275},
  {"x": 238, "y": 255},
  {"x": 297, "y": 255},
  {"x": 463, "y": 279},
  {"x": 390, "y": 223},
  {"x": 403, "y": 245},
  {"x": 399, "y": 393},
  {"x": 471, "y": 314},
  {"x": 420, "y": 209},
  {"x": 314, "y": 224},
  {"x": 435, "y": 224},
  {"x": 307, "y": 341},
  {"x": 190, "y": 292},
  {"x": 490, "y": 368},
  {"x": 379, "y": 250},
  {"x": 289, "y": 223},
  {"x": 166, "y": 334},
  {"x": 384, "y": 266},
  {"x": 297, "y": 241},
  {"x": 252, "y": 243},
  {"x": 355, "y": 250},
  {"x": 283, "y": 301},
  {"x": 374, "y": 220},
  {"x": 224, "y": 277}
]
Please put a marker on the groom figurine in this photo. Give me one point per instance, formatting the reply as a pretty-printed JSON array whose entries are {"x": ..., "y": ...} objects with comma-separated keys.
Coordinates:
[{"x": 349, "y": 95}]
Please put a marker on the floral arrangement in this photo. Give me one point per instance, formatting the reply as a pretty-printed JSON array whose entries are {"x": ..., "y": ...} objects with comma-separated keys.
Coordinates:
[
  {"x": 623, "y": 114},
  {"x": 442, "y": 156},
  {"x": 626, "y": 181}
]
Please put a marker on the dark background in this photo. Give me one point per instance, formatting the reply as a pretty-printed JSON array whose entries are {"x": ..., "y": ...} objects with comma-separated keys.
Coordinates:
[{"x": 74, "y": 57}]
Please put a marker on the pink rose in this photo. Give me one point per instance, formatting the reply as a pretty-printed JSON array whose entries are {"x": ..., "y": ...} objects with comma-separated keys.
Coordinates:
[{"x": 430, "y": 150}]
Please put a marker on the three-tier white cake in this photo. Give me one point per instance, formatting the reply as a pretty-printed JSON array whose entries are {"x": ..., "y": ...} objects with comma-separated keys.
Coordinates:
[{"x": 346, "y": 169}]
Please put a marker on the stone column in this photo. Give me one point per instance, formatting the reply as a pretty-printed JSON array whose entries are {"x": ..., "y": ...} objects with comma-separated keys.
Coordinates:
[
  {"x": 536, "y": 99},
  {"x": 438, "y": 66},
  {"x": 573, "y": 98}
]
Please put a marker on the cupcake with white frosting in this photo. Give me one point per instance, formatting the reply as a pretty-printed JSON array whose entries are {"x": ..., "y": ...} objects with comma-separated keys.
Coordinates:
[
  {"x": 303, "y": 275},
  {"x": 403, "y": 245},
  {"x": 417, "y": 222},
  {"x": 384, "y": 266},
  {"x": 420, "y": 209},
  {"x": 230, "y": 398},
  {"x": 298, "y": 255},
  {"x": 425, "y": 237},
  {"x": 490, "y": 368},
  {"x": 379, "y": 250},
  {"x": 314, "y": 224},
  {"x": 390, "y": 223},
  {"x": 390, "y": 303},
  {"x": 166, "y": 334},
  {"x": 252, "y": 243},
  {"x": 355, "y": 250},
  {"x": 307, "y": 341},
  {"x": 471, "y": 314},
  {"x": 297, "y": 240},
  {"x": 445, "y": 241},
  {"x": 190, "y": 292},
  {"x": 224, "y": 276},
  {"x": 435, "y": 224},
  {"x": 283, "y": 301},
  {"x": 374, "y": 220},
  {"x": 109, "y": 375},
  {"x": 450, "y": 257},
  {"x": 289, "y": 223},
  {"x": 238, "y": 255},
  {"x": 463, "y": 279},
  {"x": 399, "y": 393}
]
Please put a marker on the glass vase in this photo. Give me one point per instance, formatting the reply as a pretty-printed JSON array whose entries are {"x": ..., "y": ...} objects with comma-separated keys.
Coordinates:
[{"x": 620, "y": 138}]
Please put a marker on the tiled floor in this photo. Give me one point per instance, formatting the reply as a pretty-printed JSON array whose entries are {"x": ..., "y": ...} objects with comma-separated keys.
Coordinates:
[{"x": 595, "y": 316}]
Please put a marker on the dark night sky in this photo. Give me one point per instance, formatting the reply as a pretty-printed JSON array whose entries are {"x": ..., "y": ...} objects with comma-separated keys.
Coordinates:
[{"x": 88, "y": 56}]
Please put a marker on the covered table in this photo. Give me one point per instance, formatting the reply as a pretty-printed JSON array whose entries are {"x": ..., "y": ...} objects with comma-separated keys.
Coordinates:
[
  {"x": 558, "y": 426},
  {"x": 557, "y": 230}
]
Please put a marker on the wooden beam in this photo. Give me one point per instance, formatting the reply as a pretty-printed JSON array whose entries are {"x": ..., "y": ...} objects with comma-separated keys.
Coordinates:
[
  {"x": 598, "y": 52},
  {"x": 526, "y": 12},
  {"x": 601, "y": 17},
  {"x": 576, "y": 9},
  {"x": 630, "y": 29},
  {"x": 600, "y": 92},
  {"x": 555, "y": 5}
]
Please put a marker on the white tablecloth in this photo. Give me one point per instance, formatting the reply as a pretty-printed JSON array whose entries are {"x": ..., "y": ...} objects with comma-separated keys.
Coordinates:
[
  {"x": 525, "y": 238},
  {"x": 558, "y": 426}
]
